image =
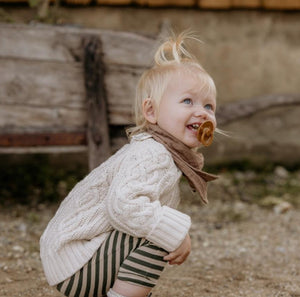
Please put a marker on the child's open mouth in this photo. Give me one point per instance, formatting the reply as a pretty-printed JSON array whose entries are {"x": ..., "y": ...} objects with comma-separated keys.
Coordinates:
[{"x": 193, "y": 127}]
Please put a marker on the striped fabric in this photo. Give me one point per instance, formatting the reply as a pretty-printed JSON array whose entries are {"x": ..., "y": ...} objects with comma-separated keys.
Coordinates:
[{"x": 130, "y": 259}]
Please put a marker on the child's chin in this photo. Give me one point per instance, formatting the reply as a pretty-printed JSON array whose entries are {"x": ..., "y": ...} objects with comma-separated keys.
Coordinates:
[{"x": 193, "y": 144}]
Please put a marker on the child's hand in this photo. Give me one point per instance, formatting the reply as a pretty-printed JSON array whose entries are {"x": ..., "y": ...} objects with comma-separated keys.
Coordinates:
[{"x": 181, "y": 253}]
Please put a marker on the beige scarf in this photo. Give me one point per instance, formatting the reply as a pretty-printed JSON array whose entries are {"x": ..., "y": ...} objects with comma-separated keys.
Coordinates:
[{"x": 188, "y": 161}]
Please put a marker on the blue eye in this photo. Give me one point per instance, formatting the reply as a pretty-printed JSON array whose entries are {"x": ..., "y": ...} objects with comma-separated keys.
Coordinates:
[
  {"x": 187, "y": 101},
  {"x": 208, "y": 107}
]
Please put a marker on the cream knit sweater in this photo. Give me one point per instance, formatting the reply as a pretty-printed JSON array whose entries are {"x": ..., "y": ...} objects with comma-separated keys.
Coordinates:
[{"x": 135, "y": 191}]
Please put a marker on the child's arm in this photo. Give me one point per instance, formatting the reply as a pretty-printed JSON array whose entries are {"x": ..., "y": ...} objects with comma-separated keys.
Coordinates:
[
  {"x": 181, "y": 253},
  {"x": 133, "y": 204}
]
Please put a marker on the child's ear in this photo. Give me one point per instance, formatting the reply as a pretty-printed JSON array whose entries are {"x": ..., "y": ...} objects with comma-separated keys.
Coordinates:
[{"x": 149, "y": 111}]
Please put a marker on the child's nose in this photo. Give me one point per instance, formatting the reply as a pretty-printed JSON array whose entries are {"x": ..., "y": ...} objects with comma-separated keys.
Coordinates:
[{"x": 201, "y": 112}]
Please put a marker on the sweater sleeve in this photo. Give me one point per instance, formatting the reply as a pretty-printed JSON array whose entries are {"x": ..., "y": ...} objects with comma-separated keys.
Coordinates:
[{"x": 133, "y": 202}]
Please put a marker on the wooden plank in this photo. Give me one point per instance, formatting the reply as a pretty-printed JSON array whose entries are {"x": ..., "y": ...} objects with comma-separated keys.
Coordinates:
[
  {"x": 97, "y": 132},
  {"x": 78, "y": 2},
  {"x": 113, "y": 2},
  {"x": 57, "y": 149},
  {"x": 214, "y": 4},
  {"x": 280, "y": 4},
  {"x": 121, "y": 83},
  {"x": 245, "y": 108},
  {"x": 161, "y": 3},
  {"x": 64, "y": 44},
  {"x": 126, "y": 48},
  {"x": 117, "y": 141},
  {"x": 37, "y": 93},
  {"x": 41, "y": 83},
  {"x": 43, "y": 139},
  {"x": 20, "y": 119},
  {"x": 41, "y": 43},
  {"x": 246, "y": 3},
  {"x": 121, "y": 115}
]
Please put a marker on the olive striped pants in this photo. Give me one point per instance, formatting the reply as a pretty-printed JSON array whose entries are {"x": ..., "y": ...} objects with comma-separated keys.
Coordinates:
[{"x": 130, "y": 259}]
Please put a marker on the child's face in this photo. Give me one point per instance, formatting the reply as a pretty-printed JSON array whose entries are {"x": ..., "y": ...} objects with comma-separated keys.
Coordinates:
[{"x": 183, "y": 109}]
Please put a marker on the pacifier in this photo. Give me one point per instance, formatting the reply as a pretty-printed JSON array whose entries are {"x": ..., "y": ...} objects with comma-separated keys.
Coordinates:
[{"x": 205, "y": 133}]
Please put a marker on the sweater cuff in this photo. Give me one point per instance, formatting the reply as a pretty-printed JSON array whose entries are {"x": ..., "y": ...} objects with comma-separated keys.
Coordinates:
[{"x": 171, "y": 229}]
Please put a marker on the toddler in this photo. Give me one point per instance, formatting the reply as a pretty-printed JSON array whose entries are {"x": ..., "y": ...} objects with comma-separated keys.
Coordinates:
[{"x": 116, "y": 230}]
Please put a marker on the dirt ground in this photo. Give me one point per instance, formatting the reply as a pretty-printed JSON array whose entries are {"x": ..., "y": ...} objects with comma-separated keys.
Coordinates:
[{"x": 238, "y": 249}]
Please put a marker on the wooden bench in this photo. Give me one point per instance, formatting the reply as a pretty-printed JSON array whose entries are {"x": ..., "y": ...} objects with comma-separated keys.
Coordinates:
[{"x": 65, "y": 89}]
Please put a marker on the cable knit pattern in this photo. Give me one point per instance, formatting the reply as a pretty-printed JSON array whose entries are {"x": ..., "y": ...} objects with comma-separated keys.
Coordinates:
[{"x": 135, "y": 191}]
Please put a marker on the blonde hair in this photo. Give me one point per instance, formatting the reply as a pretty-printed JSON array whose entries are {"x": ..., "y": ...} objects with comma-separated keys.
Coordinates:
[{"x": 170, "y": 57}]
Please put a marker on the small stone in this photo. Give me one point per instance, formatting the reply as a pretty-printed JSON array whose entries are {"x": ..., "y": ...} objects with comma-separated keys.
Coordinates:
[
  {"x": 280, "y": 249},
  {"x": 17, "y": 248},
  {"x": 218, "y": 226},
  {"x": 239, "y": 175},
  {"x": 205, "y": 243},
  {"x": 281, "y": 172},
  {"x": 29, "y": 269},
  {"x": 282, "y": 207},
  {"x": 270, "y": 201},
  {"x": 242, "y": 250},
  {"x": 22, "y": 228}
]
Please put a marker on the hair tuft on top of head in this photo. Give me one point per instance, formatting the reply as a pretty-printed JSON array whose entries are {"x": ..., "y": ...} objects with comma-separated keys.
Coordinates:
[{"x": 173, "y": 49}]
